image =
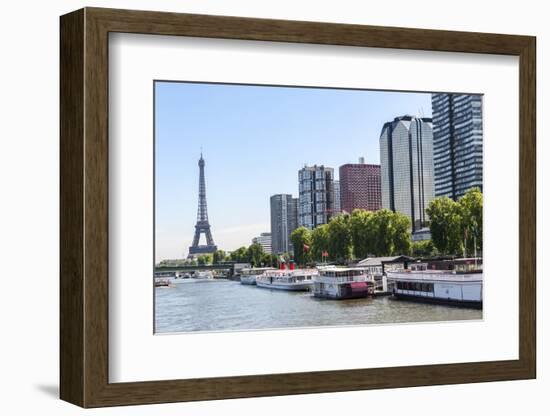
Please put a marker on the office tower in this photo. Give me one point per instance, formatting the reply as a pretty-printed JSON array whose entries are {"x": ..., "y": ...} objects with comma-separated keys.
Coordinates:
[
  {"x": 264, "y": 239},
  {"x": 406, "y": 156},
  {"x": 458, "y": 143},
  {"x": 337, "y": 206},
  {"x": 360, "y": 186},
  {"x": 316, "y": 195},
  {"x": 284, "y": 220}
]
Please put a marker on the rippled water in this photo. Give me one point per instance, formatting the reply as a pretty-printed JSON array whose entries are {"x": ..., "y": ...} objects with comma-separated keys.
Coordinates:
[{"x": 223, "y": 305}]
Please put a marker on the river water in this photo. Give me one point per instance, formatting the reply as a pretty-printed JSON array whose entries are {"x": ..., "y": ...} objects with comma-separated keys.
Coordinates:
[{"x": 224, "y": 305}]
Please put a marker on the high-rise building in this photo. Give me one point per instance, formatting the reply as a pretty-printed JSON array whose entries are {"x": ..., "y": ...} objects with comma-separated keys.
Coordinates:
[
  {"x": 458, "y": 143},
  {"x": 406, "y": 156},
  {"x": 264, "y": 239},
  {"x": 284, "y": 220},
  {"x": 316, "y": 200},
  {"x": 337, "y": 206},
  {"x": 360, "y": 186}
]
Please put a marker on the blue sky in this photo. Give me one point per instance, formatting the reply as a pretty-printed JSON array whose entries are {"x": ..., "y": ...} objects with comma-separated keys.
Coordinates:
[{"x": 254, "y": 140}]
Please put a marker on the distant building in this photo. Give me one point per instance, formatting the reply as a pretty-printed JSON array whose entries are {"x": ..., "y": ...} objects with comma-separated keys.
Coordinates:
[
  {"x": 457, "y": 143},
  {"x": 422, "y": 234},
  {"x": 264, "y": 239},
  {"x": 284, "y": 220},
  {"x": 316, "y": 200},
  {"x": 337, "y": 206},
  {"x": 406, "y": 156},
  {"x": 360, "y": 186}
]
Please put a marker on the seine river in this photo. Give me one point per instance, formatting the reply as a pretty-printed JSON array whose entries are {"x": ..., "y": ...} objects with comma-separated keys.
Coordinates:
[{"x": 224, "y": 305}]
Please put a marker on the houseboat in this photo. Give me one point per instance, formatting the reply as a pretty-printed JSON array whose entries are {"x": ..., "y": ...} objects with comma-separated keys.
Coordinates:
[
  {"x": 342, "y": 283},
  {"x": 249, "y": 275},
  {"x": 376, "y": 269},
  {"x": 457, "y": 282},
  {"x": 293, "y": 280}
]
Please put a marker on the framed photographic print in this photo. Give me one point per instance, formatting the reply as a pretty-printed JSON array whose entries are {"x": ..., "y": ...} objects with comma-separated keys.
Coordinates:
[{"x": 255, "y": 207}]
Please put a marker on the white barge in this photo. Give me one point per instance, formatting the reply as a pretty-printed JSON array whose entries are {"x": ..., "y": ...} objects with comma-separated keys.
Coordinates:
[
  {"x": 249, "y": 275},
  {"x": 292, "y": 280},
  {"x": 342, "y": 283},
  {"x": 455, "y": 282}
]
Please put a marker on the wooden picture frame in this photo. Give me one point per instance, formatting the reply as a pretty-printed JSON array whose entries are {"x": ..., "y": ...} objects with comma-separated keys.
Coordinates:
[{"x": 84, "y": 207}]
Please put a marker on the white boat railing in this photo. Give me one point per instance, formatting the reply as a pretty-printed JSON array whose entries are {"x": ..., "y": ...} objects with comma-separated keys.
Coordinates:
[
  {"x": 428, "y": 275},
  {"x": 341, "y": 279}
]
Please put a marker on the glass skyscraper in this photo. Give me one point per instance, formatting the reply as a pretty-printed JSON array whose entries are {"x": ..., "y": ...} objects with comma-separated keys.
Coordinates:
[
  {"x": 406, "y": 167},
  {"x": 458, "y": 143}
]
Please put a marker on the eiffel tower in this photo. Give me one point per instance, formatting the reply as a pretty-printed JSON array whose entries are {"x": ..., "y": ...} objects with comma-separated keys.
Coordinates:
[{"x": 202, "y": 226}]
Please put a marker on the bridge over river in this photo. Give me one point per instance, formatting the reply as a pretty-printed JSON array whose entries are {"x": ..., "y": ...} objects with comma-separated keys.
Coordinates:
[{"x": 225, "y": 270}]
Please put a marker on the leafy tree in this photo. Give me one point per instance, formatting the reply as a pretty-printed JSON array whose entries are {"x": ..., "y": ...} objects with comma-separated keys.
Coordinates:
[
  {"x": 402, "y": 244},
  {"x": 471, "y": 209},
  {"x": 255, "y": 254},
  {"x": 319, "y": 241},
  {"x": 424, "y": 248},
  {"x": 240, "y": 255},
  {"x": 204, "y": 259},
  {"x": 362, "y": 233},
  {"x": 340, "y": 242},
  {"x": 218, "y": 257},
  {"x": 390, "y": 233},
  {"x": 446, "y": 225},
  {"x": 382, "y": 233},
  {"x": 269, "y": 260},
  {"x": 299, "y": 237}
]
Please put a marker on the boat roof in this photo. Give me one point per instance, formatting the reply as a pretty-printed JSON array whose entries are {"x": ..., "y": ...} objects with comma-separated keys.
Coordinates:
[
  {"x": 339, "y": 269},
  {"x": 259, "y": 268},
  {"x": 377, "y": 261}
]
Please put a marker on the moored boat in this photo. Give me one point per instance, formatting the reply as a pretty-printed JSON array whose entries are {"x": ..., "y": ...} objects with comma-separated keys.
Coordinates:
[
  {"x": 163, "y": 283},
  {"x": 456, "y": 282},
  {"x": 204, "y": 274},
  {"x": 292, "y": 280},
  {"x": 342, "y": 283},
  {"x": 249, "y": 275}
]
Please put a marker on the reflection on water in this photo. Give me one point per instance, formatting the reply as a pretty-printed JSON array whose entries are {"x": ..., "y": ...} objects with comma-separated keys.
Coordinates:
[{"x": 223, "y": 305}]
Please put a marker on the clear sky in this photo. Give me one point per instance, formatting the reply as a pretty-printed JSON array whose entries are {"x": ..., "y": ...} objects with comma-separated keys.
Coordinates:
[{"x": 254, "y": 140}]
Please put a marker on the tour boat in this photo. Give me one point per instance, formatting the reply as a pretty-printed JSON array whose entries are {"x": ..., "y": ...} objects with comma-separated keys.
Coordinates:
[
  {"x": 163, "y": 283},
  {"x": 204, "y": 274},
  {"x": 249, "y": 275},
  {"x": 456, "y": 282},
  {"x": 342, "y": 283},
  {"x": 293, "y": 280}
]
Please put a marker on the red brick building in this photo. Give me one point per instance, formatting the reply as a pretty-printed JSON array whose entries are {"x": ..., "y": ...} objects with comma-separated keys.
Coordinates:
[{"x": 360, "y": 187}]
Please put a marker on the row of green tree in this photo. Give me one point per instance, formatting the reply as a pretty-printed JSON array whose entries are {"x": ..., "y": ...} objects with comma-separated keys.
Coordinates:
[
  {"x": 455, "y": 226},
  {"x": 355, "y": 235},
  {"x": 253, "y": 254}
]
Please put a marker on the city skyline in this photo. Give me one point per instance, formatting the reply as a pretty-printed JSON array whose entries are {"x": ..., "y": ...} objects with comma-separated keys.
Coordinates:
[{"x": 254, "y": 140}]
